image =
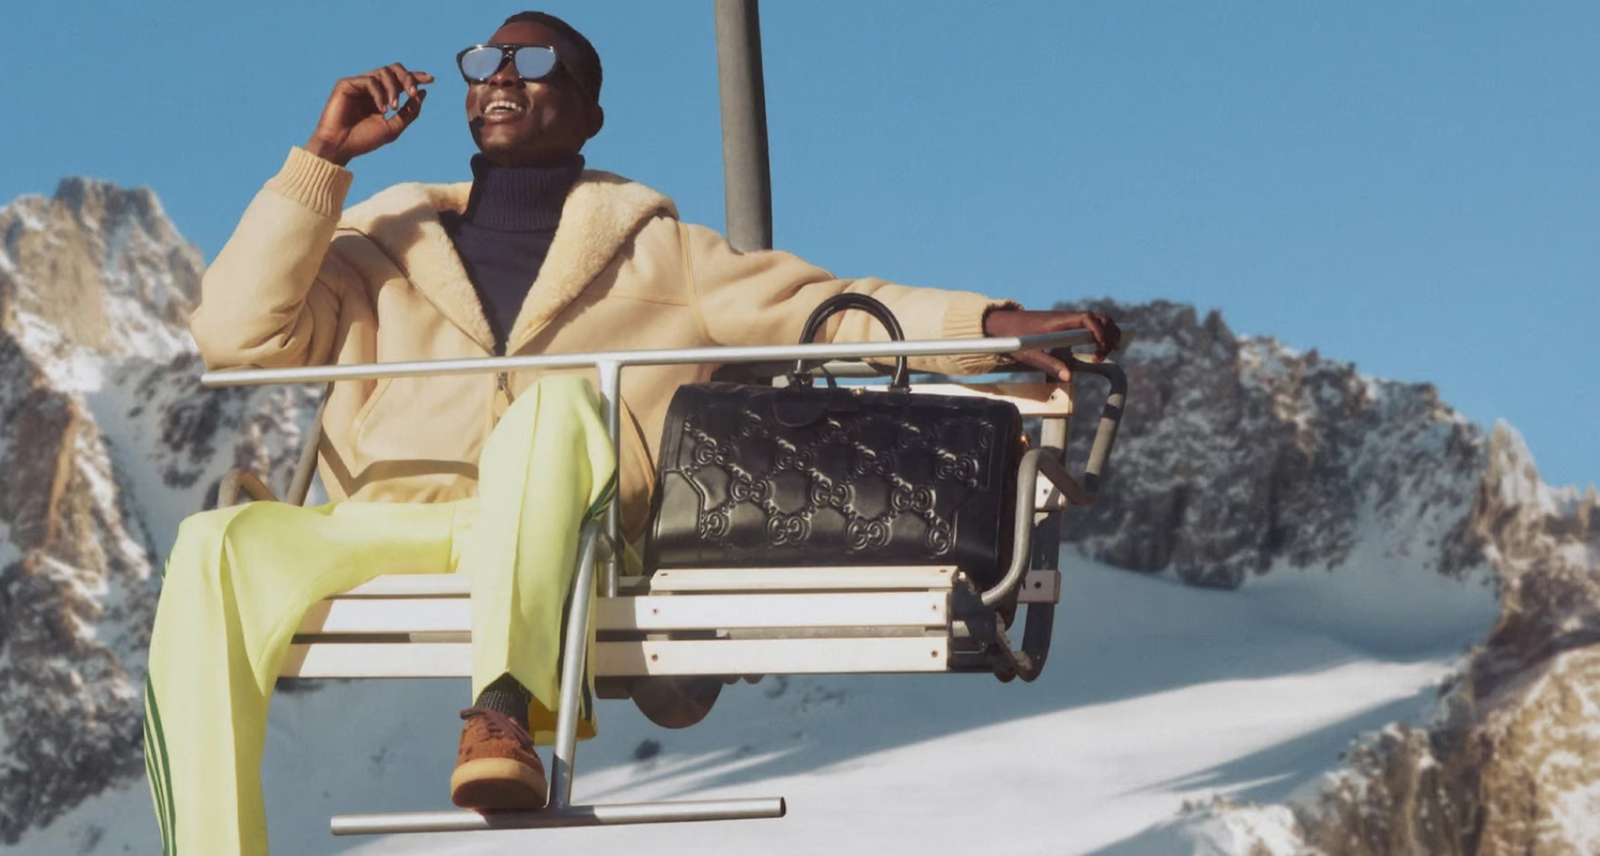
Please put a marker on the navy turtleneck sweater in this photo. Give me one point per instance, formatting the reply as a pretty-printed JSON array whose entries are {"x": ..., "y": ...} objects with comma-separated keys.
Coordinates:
[{"x": 506, "y": 231}]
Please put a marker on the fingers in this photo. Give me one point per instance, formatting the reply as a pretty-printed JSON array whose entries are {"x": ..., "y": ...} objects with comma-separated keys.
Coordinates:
[
  {"x": 1109, "y": 337},
  {"x": 395, "y": 79},
  {"x": 385, "y": 85},
  {"x": 1106, "y": 334},
  {"x": 401, "y": 81},
  {"x": 392, "y": 86},
  {"x": 407, "y": 113},
  {"x": 375, "y": 90},
  {"x": 1045, "y": 362},
  {"x": 364, "y": 112},
  {"x": 409, "y": 81},
  {"x": 1116, "y": 335}
]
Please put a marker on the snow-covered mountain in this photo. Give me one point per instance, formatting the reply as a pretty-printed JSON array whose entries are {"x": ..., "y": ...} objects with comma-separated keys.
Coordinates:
[
  {"x": 1241, "y": 454},
  {"x": 106, "y": 442},
  {"x": 1342, "y": 537},
  {"x": 1244, "y": 460}
]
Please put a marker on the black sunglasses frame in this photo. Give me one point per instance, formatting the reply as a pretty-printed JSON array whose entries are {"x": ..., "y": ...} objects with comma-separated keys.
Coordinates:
[{"x": 508, "y": 54}]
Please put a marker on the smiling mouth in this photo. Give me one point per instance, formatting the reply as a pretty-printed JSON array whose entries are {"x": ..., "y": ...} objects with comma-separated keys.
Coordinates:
[{"x": 501, "y": 110}]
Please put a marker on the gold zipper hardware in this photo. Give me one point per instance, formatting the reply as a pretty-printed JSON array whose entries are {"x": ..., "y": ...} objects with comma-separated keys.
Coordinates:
[{"x": 502, "y": 381}]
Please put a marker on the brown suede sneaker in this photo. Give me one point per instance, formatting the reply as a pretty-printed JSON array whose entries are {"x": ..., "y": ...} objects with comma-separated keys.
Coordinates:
[{"x": 496, "y": 768}]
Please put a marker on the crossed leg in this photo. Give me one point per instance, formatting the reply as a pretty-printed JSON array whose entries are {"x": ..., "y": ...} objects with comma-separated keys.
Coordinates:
[{"x": 240, "y": 579}]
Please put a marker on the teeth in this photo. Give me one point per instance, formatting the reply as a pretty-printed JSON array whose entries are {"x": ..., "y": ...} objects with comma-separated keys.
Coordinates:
[{"x": 500, "y": 105}]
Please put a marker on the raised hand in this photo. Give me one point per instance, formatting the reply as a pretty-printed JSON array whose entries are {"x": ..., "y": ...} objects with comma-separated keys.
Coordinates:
[
  {"x": 1018, "y": 322},
  {"x": 364, "y": 112}
]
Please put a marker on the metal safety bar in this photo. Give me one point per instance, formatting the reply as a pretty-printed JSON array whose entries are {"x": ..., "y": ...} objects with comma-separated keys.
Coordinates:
[
  {"x": 618, "y": 814},
  {"x": 666, "y": 357}
]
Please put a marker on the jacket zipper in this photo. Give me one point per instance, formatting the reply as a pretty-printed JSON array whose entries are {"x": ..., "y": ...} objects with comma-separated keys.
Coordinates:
[{"x": 502, "y": 380}]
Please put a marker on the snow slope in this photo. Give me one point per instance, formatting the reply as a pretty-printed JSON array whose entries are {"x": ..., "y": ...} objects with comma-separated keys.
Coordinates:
[{"x": 1157, "y": 694}]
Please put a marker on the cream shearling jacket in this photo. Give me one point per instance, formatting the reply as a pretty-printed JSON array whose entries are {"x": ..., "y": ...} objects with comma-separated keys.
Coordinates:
[{"x": 299, "y": 285}]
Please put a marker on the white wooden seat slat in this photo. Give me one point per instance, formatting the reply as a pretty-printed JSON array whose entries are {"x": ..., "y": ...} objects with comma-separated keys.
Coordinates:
[
  {"x": 772, "y": 656},
  {"x": 637, "y": 659},
  {"x": 649, "y": 613},
  {"x": 735, "y": 612},
  {"x": 722, "y": 580},
  {"x": 399, "y": 615},
  {"x": 413, "y": 585},
  {"x": 732, "y": 580}
]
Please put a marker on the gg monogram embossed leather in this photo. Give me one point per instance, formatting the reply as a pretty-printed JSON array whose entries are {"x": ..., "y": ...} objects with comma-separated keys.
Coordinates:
[{"x": 758, "y": 476}]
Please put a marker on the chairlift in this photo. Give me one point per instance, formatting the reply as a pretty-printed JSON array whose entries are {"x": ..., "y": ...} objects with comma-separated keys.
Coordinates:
[{"x": 714, "y": 624}]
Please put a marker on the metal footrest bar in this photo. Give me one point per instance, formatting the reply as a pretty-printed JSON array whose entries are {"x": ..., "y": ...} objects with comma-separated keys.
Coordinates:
[{"x": 688, "y": 811}]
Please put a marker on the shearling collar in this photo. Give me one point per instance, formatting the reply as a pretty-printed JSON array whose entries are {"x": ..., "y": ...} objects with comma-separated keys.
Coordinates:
[{"x": 601, "y": 213}]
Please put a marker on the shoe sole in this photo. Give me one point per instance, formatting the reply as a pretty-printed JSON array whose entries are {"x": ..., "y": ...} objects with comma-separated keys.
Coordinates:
[{"x": 498, "y": 784}]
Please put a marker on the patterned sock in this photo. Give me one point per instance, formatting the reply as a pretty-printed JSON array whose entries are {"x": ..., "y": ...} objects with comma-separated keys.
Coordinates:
[{"x": 508, "y": 697}]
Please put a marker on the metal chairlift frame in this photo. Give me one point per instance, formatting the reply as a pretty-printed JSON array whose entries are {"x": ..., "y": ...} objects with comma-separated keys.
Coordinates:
[
  {"x": 335, "y": 640},
  {"x": 968, "y": 615}
]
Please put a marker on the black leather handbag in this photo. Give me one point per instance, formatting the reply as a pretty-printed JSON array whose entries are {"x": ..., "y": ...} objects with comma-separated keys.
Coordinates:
[{"x": 757, "y": 476}]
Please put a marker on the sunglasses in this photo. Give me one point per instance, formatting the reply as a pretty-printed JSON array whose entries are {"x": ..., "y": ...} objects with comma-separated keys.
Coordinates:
[{"x": 532, "y": 62}]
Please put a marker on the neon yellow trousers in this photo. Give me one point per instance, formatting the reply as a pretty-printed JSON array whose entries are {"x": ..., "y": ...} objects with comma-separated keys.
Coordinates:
[{"x": 240, "y": 579}]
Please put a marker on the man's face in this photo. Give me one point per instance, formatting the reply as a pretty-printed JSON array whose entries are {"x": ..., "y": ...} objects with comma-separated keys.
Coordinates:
[{"x": 532, "y": 123}]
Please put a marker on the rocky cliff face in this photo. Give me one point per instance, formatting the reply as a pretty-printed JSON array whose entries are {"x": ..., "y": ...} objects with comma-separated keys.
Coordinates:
[
  {"x": 99, "y": 267},
  {"x": 1511, "y": 763},
  {"x": 1237, "y": 455},
  {"x": 106, "y": 440},
  {"x": 1240, "y": 457}
]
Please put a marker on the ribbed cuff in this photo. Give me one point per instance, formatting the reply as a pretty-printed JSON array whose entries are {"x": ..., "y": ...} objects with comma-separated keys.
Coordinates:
[
  {"x": 318, "y": 184},
  {"x": 964, "y": 320}
]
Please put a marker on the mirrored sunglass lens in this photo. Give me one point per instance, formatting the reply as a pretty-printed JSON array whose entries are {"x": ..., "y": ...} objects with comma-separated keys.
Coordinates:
[
  {"x": 480, "y": 63},
  {"x": 534, "y": 62}
]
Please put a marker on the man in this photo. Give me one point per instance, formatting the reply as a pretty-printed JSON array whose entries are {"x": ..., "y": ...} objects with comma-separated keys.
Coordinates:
[{"x": 489, "y": 475}]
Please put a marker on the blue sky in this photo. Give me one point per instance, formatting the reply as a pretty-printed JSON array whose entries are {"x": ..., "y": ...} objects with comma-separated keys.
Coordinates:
[{"x": 1414, "y": 187}]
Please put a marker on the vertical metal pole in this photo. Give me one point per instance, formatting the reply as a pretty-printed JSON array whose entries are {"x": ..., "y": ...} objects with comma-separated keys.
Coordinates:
[
  {"x": 1045, "y": 550},
  {"x": 573, "y": 670},
  {"x": 305, "y": 469},
  {"x": 746, "y": 171},
  {"x": 611, "y": 395},
  {"x": 1053, "y": 435}
]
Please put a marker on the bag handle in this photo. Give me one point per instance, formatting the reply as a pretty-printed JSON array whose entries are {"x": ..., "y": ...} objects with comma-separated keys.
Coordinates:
[{"x": 801, "y": 376}]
